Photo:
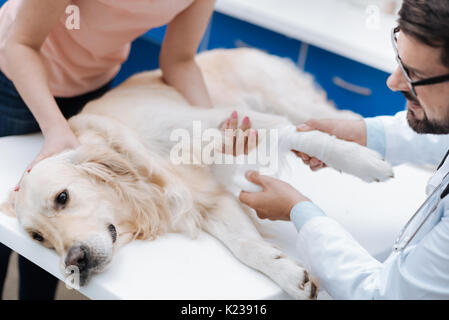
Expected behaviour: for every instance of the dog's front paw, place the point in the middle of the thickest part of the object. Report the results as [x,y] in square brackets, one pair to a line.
[346,156]
[368,165]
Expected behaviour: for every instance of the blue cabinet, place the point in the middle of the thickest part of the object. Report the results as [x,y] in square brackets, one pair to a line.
[352,85]
[144,56]
[156,35]
[144,53]
[349,84]
[228,32]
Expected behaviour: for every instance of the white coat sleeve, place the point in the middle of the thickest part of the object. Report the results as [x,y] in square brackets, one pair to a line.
[347,271]
[393,138]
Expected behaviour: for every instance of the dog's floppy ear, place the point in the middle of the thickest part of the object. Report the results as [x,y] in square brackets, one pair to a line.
[104,164]
[110,165]
[120,139]
[144,195]
[8,206]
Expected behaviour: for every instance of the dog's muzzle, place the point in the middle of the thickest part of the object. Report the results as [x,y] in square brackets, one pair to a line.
[91,255]
[79,257]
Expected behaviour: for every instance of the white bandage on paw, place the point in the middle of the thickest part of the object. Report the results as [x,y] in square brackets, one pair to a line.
[345,156]
[342,155]
[239,181]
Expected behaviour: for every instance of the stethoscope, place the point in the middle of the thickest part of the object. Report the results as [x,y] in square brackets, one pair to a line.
[402,241]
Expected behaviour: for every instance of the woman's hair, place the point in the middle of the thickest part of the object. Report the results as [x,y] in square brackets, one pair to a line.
[428,22]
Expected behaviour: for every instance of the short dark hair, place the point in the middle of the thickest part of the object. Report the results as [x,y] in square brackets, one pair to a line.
[428,22]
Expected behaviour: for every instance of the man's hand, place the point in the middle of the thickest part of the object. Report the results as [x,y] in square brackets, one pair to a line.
[275,201]
[350,130]
[56,141]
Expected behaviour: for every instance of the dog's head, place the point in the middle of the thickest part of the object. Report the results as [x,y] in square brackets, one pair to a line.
[87,202]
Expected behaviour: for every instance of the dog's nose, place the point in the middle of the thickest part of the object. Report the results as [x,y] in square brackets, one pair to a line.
[78,256]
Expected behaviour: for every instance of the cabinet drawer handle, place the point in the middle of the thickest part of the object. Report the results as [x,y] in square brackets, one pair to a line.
[339,82]
[241,44]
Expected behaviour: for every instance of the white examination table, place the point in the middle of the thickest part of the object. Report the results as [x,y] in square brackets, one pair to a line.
[176,267]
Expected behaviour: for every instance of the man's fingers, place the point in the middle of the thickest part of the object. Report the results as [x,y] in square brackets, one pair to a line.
[304,157]
[304,128]
[250,199]
[301,155]
[261,214]
[325,125]
[314,162]
[247,198]
[317,167]
[257,178]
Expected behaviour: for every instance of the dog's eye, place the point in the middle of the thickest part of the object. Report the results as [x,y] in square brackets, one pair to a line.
[62,198]
[37,236]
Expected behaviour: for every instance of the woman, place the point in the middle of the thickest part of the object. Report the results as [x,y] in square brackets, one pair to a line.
[49,71]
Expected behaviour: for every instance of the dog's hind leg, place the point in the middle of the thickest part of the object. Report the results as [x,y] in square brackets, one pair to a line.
[278,87]
[231,225]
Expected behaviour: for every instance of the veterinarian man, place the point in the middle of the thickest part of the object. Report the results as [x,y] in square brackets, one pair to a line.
[418,267]
[49,69]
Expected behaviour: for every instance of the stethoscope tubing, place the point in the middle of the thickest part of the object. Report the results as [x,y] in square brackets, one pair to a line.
[397,247]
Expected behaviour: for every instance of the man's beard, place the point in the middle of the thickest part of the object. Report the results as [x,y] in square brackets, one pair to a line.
[425,125]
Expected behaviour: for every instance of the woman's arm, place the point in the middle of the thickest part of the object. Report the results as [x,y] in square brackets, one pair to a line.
[177,57]
[34,22]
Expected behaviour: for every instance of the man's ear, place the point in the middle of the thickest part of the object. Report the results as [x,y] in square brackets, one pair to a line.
[8,206]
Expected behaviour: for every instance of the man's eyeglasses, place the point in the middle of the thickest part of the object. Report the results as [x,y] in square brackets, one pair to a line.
[412,84]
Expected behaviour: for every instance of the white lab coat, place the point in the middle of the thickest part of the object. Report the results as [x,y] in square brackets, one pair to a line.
[347,271]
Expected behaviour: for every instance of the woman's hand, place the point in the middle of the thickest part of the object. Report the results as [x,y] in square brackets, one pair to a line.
[275,201]
[238,140]
[33,24]
[350,130]
[178,51]
[56,141]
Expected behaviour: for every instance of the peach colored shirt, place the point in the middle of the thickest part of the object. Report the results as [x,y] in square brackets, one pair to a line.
[79,61]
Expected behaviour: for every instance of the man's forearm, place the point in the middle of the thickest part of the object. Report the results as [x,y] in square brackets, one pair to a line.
[375,135]
[393,138]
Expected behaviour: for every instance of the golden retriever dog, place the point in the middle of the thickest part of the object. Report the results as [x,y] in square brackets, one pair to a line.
[121,184]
